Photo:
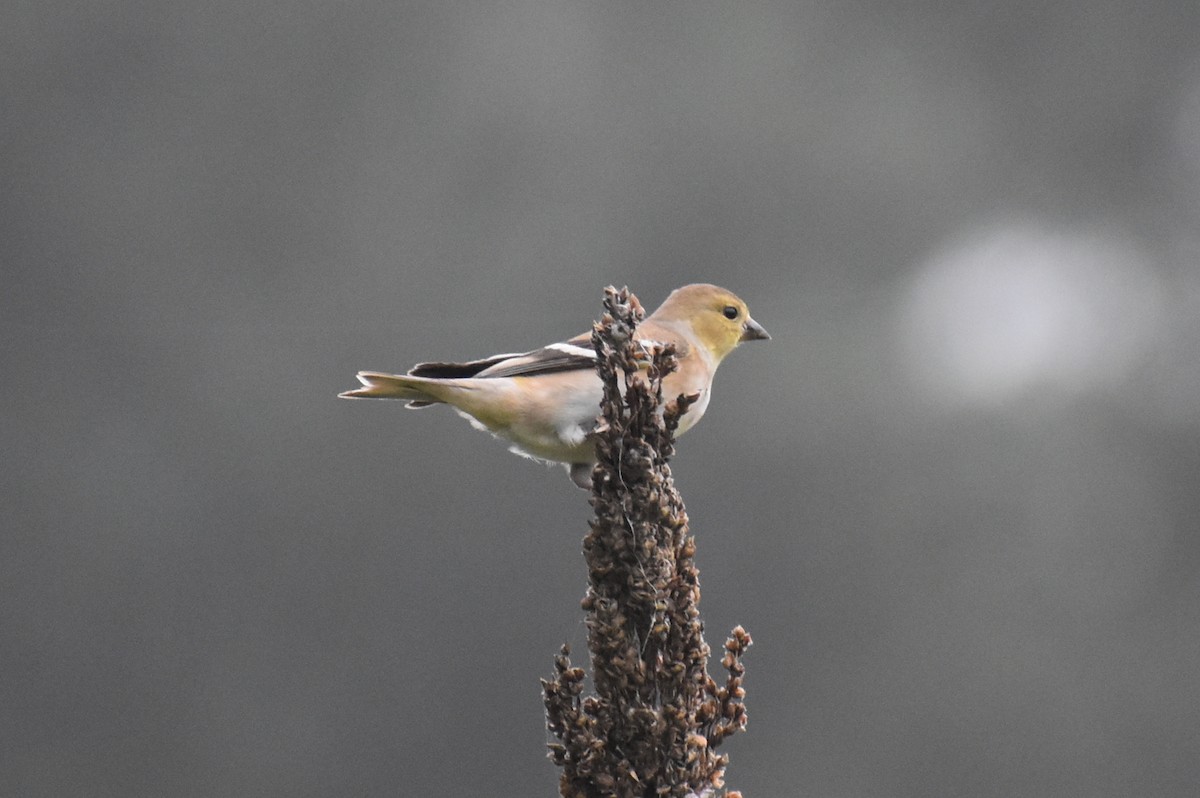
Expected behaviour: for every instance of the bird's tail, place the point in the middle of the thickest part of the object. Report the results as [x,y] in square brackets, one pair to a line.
[419,392]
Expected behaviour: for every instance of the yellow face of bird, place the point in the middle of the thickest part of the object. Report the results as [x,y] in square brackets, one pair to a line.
[717,316]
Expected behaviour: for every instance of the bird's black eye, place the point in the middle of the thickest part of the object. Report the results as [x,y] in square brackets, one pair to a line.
[730,312]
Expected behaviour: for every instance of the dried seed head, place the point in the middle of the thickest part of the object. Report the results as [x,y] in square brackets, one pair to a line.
[656,716]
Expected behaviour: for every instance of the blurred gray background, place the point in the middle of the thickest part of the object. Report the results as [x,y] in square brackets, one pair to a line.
[954,500]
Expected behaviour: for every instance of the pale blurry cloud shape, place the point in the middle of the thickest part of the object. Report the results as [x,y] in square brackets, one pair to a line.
[1011,308]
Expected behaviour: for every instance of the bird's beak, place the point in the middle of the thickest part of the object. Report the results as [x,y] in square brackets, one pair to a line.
[753,331]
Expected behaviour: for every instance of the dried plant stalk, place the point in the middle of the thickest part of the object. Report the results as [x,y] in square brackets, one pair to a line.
[656,718]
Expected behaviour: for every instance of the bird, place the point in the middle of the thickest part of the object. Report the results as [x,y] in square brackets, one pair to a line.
[545,402]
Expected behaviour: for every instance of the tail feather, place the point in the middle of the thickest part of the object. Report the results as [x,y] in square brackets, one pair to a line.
[377,385]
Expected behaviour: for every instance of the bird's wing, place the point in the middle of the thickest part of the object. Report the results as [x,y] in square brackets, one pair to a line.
[438,370]
[571,355]
[574,354]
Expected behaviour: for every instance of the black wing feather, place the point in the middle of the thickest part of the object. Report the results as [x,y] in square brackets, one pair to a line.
[541,361]
[574,355]
[454,371]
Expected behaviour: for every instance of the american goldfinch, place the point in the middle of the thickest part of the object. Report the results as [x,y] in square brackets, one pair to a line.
[545,402]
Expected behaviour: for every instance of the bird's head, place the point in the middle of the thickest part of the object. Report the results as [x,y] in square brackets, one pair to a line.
[718,318]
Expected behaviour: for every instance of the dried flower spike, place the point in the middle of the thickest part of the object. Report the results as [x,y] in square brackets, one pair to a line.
[656,717]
